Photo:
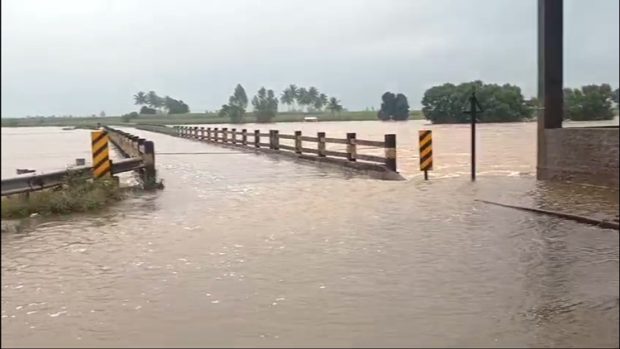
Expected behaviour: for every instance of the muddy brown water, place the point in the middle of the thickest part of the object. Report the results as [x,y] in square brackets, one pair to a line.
[253,250]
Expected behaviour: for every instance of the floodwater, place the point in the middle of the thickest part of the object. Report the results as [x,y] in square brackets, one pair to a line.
[247,250]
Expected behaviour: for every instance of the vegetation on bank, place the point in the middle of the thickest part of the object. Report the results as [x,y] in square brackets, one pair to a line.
[187,119]
[446,103]
[77,195]
[591,102]
[505,103]
[394,107]
[441,104]
[152,103]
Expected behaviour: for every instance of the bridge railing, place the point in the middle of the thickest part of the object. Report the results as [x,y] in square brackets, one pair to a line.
[138,154]
[273,140]
[131,146]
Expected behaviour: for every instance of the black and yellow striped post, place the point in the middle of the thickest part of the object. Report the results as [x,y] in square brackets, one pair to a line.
[101,157]
[426,151]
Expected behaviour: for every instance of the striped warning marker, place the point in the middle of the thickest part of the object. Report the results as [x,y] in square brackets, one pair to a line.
[101,158]
[426,150]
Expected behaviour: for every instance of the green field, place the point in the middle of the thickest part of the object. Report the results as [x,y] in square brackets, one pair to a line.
[186,119]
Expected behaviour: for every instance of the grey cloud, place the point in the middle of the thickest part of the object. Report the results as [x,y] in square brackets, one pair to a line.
[80,57]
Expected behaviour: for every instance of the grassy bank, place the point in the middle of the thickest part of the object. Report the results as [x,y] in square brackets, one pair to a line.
[186,119]
[78,195]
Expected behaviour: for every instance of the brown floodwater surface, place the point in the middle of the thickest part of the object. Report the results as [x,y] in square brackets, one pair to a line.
[247,250]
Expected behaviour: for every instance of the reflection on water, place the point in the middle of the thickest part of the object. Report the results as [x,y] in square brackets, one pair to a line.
[251,250]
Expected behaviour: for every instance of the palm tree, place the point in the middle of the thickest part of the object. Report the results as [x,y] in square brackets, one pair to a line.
[321,101]
[313,96]
[287,98]
[289,95]
[302,97]
[334,105]
[153,100]
[140,98]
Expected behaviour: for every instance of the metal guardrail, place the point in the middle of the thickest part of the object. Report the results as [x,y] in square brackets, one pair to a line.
[139,156]
[135,147]
[28,183]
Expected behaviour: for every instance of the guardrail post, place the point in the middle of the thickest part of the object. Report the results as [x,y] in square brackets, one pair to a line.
[321,143]
[244,137]
[257,138]
[233,135]
[196,132]
[202,134]
[271,139]
[215,134]
[149,164]
[208,134]
[140,148]
[390,152]
[298,142]
[351,147]
[224,135]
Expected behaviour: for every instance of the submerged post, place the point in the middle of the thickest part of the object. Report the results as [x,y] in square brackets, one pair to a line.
[276,140]
[224,135]
[321,144]
[233,135]
[257,138]
[148,157]
[215,134]
[270,139]
[351,147]
[244,137]
[390,151]
[298,142]
[209,134]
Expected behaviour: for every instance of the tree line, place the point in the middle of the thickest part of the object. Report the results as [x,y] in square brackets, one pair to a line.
[152,103]
[265,103]
[505,103]
[440,104]
[309,99]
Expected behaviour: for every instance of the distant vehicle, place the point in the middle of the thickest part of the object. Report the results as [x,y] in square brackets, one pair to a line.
[311,118]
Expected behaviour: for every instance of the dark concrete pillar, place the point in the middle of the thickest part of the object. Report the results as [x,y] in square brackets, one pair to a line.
[550,73]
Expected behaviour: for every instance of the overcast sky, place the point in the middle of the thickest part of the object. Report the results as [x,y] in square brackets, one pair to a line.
[80,57]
